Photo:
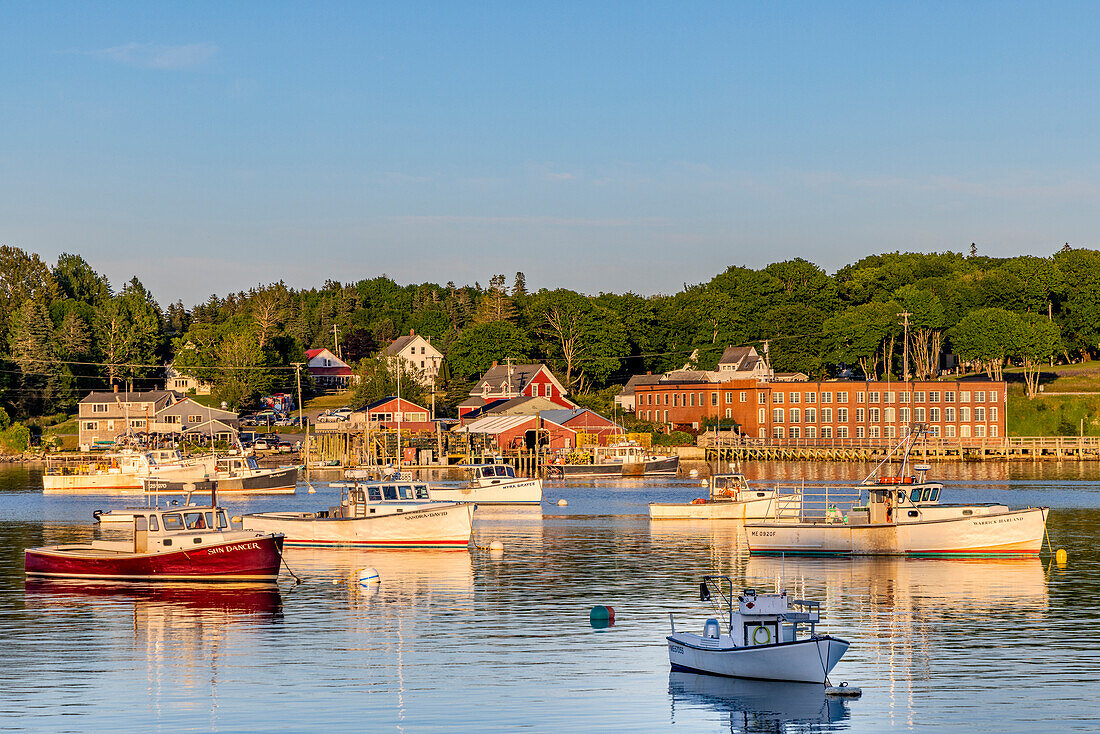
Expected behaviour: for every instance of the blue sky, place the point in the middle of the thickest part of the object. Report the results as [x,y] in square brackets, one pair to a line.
[208,147]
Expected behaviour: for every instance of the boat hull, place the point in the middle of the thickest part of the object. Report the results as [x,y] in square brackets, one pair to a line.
[276,481]
[1011,533]
[442,526]
[803,661]
[652,467]
[249,557]
[513,492]
[759,508]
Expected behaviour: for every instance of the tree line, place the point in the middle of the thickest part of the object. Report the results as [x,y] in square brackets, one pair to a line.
[64,330]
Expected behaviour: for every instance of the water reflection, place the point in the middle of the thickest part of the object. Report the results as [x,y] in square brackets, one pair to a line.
[758,706]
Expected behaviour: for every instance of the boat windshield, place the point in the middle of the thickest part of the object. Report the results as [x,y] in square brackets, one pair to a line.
[504,470]
[195,521]
[927,494]
[374,494]
[153,524]
[389,492]
[173,522]
[223,521]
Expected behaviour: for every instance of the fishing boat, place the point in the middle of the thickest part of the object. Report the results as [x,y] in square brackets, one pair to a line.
[768,637]
[492,484]
[174,544]
[394,514]
[627,459]
[731,498]
[235,475]
[899,514]
[125,471]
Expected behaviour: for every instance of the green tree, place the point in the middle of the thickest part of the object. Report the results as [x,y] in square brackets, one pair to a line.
[77,280]
[31,342]
[987,336]
[482,344]
[242,377]
[926,325]
[863,335]
[1037,340]
[378,378]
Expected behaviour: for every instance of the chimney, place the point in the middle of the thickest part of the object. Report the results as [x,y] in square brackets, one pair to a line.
[494,365]
[649,372]
[412,332]
[115,387]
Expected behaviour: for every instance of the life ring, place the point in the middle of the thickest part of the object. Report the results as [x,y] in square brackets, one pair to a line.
[767,636]
[698,501]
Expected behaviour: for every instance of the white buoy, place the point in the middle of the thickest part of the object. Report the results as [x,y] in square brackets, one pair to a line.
[562,503]
[704,483]
[693,473]
[368,577]
[496,546]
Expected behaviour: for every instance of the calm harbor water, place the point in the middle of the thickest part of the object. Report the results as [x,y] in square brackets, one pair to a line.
[456,641]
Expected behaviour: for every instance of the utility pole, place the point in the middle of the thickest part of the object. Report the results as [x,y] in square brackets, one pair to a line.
[335,342]
[905,345]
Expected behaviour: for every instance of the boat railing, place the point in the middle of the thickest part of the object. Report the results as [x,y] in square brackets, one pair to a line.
[815,503]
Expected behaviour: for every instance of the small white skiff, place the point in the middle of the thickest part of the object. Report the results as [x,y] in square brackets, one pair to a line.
[375,514]
[731,498]
[769,637]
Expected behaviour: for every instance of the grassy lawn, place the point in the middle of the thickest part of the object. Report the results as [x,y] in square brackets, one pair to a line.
[330,401]
[1050,414]
[68,428]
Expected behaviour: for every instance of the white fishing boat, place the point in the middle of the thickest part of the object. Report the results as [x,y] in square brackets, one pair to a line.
[768,637]
[492,484]
[731,498]
[124,471]
[898,515]
[626,459]
[235,475]
[375,514]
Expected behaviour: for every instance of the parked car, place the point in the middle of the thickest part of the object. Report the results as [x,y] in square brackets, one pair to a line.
[330,418]
[266,443]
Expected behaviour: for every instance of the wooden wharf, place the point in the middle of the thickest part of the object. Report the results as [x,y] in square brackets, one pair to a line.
[731,447]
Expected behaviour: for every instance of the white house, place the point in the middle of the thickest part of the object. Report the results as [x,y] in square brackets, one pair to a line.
[419,353]
[328,370]
[173,380]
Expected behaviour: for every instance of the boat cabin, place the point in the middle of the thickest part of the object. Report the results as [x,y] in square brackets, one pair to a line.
[761,618]
[364,499]
[734,488]
[157,531]
[488,474]
[234,465]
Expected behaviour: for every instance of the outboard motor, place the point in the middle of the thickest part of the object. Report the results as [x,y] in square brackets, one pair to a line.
[711,629]
[704,591]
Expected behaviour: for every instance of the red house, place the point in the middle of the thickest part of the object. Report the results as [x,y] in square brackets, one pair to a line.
[522,431]
[328,370]
[387,412]
[507,381]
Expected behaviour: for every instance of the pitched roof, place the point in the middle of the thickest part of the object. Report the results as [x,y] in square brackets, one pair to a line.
[741,359]
[635,380]
[400,343]
[311,353]
[388,399]
[521,377]
[564,416]
[496,424]
[145,396]
[688,376]
[524,405]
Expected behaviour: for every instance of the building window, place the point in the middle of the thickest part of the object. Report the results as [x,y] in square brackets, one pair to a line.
[811,397]
[762,397]
[979,396]
[714,399]
[993,412]
[826,397]
[676,400]
[194,419]
[777,432]
[873,397]
[794,431]
[795,397]
[979,414]
[842,397]
[842,431]
[903,397]
[993,430]
[777,398]
[888,397]
[110,425]
[888,414]
[796,415]
[904,414]
[91,426]
[861,397]
[949,431]
[762,415]
[934,396]
[964,396]
[918,396]
[811,431]
[777,415]
[964,414]
[979,431]
[99,407]
[919,414]
[891,432]
[811,415]
[861,432]
[841,415]
[934,415]
[861,415]
[137,423]
[876,432]
[693,400]
[934,431]
[729,398]
[964,431]
[876,415]
[744,396]
[826,432]
[666,416]
[949,397]
[826,415]
[729,412]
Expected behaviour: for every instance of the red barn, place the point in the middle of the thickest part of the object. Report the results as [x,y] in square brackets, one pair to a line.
[389,411]
[507,381]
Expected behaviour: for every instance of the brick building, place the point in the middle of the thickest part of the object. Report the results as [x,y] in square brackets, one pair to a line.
[952,409]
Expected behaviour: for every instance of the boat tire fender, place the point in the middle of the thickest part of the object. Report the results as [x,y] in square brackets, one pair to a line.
[767,636]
